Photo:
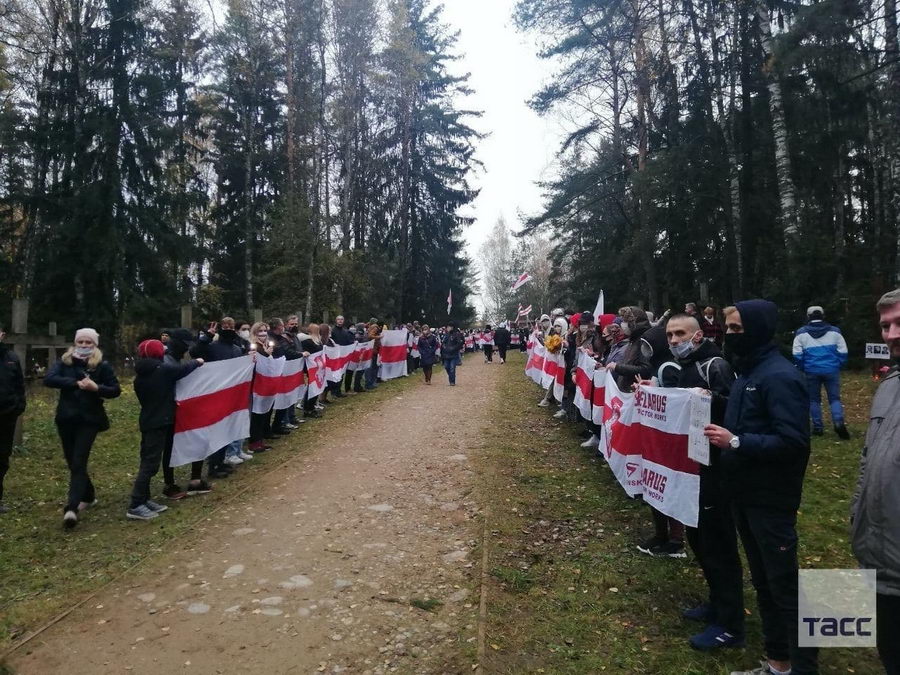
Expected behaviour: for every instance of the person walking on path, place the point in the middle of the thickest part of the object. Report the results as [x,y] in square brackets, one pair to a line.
[502,338]
[154,386]
[450,351]
[428,348]
[875,509]
[84,380]
[487,342]
[820,351]
[765,450]
[12,404]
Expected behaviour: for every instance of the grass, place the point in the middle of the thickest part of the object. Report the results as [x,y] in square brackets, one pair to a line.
[45,570]
[567,590]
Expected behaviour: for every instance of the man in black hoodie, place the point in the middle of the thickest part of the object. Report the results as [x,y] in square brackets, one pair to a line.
[502,338]
[765,449]
[12,404]
[154,385]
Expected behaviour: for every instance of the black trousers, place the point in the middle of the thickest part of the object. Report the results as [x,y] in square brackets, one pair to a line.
[501,349]
[309,404]
[153,446]
[77,440]
[427,371]
[7,433]
[488,352]
[887,611]
[348,379]
[769,537]
[714,543]
[259,426]
[168,471]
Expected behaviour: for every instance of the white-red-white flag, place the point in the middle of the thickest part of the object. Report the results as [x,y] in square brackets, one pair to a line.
[599,308]
[622,437]
[266,382]
[523,279]
[524,311]
[392,354]
[534,367]
[362,356]
[584,384]
[291,385]
[315,374]
[449,300]
[212,409]
[337,359]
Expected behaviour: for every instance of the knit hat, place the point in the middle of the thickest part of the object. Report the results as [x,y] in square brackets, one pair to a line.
[585,318]
[606,319]
[88,333]
[815,310]
[151,349]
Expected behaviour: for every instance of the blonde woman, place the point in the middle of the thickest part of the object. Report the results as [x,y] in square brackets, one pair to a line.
[312,344]
[260,423]
[84,380]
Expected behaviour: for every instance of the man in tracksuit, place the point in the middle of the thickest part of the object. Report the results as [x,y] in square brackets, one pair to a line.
[765,449]
[875,512]
[820,351]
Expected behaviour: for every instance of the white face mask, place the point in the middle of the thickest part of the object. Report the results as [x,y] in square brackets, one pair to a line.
[262,336]
[245,334]
[684,349]
[84,352]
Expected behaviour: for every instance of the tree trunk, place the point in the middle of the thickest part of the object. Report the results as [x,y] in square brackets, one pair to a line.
[892,142]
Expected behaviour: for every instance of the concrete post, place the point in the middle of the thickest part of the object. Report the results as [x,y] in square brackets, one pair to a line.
[257,316]
[187,316]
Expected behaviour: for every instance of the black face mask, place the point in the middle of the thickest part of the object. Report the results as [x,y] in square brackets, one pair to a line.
[227,335]
[294,330]
[738,344]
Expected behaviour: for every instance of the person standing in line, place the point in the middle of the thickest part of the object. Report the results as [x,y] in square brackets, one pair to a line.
[359,373]
[712,329]
[502,338]
[487,341]
[450,351]
[765,450]
[154,386]
[374,335]
[820,351]
[428,348]
[12,404]
[260,423]
[875,508]
[84,380]
[312,344]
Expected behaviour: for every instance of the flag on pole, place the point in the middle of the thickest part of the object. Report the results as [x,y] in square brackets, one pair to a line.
[599,309]
[449,300]
[523,279]
[524,311]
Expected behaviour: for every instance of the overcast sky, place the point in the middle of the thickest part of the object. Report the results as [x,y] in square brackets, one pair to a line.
[505,73]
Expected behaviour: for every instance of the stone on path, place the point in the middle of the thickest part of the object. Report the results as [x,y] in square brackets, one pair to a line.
[381,508]
[198,608]
[297,581]
[233,571]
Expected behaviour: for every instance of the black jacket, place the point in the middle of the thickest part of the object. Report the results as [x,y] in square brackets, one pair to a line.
[308,345]
[154,385]
[12,383]
[502,337]
[648,349]
[769,410]
[342,336]
[453,344]
[286,345]
[78,405]
[230,345]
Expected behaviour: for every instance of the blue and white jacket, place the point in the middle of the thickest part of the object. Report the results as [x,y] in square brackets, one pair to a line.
[819,348]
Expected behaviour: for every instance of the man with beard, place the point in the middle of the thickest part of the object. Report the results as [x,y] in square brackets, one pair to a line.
[765,449]
[875,512]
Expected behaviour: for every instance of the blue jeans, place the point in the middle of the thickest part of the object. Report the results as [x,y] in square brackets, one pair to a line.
[233,449]
[450,367]
[372,375]
[832,382]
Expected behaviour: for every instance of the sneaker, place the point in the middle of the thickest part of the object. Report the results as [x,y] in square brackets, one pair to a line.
[156,508]
[558,415]
[842,432]
[762,670]
[291,426]
[544,403]
[702,613]
[201,487]
[716,637]
[592,442]
[142,512]
[245,456]
[670,549]
[312,413]
[84,506]
[70,519]
[233,460]
[174,492]
[648,545]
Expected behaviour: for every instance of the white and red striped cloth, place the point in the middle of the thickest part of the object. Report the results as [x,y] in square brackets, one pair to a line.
[315,374]
[212,409]
[291,384]
[266,382]
[584,384]
[413,342]
[392,354]
[362,356]
[337,359]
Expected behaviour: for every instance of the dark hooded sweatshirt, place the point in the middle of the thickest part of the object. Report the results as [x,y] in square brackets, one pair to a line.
[154,385]
[768,410]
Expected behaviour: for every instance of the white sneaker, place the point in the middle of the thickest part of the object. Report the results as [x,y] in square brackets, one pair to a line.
[70,519]
[233,460]
[544,403]
[559,414]
[592,442]
[244,456]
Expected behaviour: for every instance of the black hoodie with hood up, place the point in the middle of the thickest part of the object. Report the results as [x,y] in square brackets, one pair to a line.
[154,385]
[769,410]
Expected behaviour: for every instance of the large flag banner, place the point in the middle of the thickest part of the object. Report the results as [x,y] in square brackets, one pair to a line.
[266,382]
[291,385]
[550,365]
[559,380]
[524,311]
[515,340]
[362,356]
[622,437]
[470,342]
[671,480]
[392,354]
[523,279]
[599,308]
[413,343]
[584,384]
[534,367]
[337,359]
[598,398]
[212,409]
[315,374]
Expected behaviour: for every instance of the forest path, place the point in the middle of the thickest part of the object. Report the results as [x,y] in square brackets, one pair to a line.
[356,557]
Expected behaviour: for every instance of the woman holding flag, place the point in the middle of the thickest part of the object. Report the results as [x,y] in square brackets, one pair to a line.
[261,347]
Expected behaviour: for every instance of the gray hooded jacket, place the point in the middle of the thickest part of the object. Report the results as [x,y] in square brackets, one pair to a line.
[875,512]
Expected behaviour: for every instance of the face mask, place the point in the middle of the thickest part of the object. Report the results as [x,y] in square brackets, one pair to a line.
[294,329]
[683,349]
[226,334]
[84,352]
[245,334]
[737,344]
[584,329]
[262,336]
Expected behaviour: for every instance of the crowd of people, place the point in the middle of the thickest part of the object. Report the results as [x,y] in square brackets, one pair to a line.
[759,436]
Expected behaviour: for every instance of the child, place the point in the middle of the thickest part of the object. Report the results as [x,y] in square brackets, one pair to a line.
[154,385]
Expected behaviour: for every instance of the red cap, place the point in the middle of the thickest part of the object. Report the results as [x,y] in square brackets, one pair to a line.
[606,319]
[151,349]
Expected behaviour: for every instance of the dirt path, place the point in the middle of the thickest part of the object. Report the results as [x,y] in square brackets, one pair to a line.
[321,569]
